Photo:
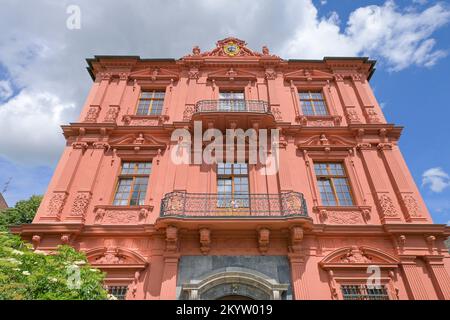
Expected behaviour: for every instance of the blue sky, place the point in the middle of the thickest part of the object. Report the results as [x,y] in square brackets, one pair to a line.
[43,81]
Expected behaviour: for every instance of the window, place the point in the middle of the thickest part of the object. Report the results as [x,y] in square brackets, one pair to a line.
[364,292]
[120,292]
[231,101]
[232,185]
[151,103]
[333,184]
[313,103]
[132,185]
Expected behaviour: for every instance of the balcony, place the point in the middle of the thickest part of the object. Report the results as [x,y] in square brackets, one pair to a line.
[233,113]
[204,205]
[232,105]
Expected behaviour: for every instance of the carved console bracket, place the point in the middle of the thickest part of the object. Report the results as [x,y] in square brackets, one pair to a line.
[205,240]
[263,240]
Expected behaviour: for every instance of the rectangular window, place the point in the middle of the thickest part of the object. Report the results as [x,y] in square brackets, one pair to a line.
[232,185]
[313,103]
[120,292]
[364,292]
[333,184]
[151,103]
[231,101]
[132,184]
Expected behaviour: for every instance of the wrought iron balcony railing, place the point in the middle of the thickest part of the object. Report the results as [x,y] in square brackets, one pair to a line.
[285,204]
[232,105]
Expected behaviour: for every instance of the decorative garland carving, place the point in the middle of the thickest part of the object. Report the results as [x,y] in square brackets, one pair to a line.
[92,114]
[112,113]
[411,205]
[356,255]
[188,112]
[276,113]
[81,203]
[56,203]
[387,206]
[111,256]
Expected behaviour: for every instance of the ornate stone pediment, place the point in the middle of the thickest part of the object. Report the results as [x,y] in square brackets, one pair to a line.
[104,256]
[137,140]
[323,140]
[356,256]
[308,75]
[231,47]
[154,74]
[232,74]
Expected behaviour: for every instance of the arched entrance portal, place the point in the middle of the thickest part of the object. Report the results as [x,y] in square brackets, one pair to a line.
[237,284]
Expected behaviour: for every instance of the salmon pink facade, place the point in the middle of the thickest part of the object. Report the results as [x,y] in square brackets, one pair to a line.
[342,208]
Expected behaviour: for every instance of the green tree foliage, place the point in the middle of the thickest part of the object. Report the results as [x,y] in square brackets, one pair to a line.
[23,212]
[27,274]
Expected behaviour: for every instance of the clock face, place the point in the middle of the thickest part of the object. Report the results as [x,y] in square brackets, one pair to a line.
[231,49]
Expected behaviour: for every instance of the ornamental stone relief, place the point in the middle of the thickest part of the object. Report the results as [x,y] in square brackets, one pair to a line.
[56,203]
[112,114]
[387,206]
[276,113]
[372,116]
[344,217]
[411,205]
[355,255]
[188,112]
[92,114]
[113,216]
[352,116]
[111,256]
[81,203]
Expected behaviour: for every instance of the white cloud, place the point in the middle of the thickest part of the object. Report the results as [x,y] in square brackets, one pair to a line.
[5,90]
[30,125]
[436,178]
[45,60]
[400,38]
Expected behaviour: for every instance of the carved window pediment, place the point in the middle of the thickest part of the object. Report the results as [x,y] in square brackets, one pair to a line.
[308,75]
[323,140]
[154,74]
[232,74]
[140,140]
[118,257]
[358,256]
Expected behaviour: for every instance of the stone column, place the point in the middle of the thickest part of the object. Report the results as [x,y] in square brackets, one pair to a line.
[377,179]
[349,106]
[90,169]
[274,103]
[95,106]
[440,276]
[114,106]
[60,193]
[412,211]
[369,109]
[297,264]
[413,280]
[284,173]
[169,278]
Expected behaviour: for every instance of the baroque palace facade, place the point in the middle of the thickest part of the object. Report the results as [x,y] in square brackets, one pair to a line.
[342,205]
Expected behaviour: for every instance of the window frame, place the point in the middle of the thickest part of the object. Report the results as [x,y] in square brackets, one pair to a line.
[310,92]
[151,100]
[330,178]
[364,288]
[122,286]
[232,176]
[133,176]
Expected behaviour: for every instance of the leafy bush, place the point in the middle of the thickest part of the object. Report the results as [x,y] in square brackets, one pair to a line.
[30,275]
